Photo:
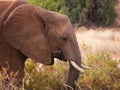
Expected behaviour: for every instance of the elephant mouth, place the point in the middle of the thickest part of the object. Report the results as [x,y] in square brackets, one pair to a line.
[59,54]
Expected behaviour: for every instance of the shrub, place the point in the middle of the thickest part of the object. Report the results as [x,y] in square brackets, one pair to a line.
[46,78]
[104,74]
[102,12]
[83,12]
[53,5]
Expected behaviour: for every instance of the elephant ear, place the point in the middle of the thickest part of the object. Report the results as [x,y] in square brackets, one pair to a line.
[25,31]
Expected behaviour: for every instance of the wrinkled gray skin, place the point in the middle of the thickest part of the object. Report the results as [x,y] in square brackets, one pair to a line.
[29,31]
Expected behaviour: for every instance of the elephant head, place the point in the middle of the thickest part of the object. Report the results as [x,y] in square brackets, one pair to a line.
[44,35]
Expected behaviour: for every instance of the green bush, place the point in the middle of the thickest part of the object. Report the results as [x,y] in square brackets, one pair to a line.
[77,10]
[83,12]
[102,12]
[53,5]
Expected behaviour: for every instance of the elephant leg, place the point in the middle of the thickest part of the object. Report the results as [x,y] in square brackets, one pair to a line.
[18,70]
[15,63]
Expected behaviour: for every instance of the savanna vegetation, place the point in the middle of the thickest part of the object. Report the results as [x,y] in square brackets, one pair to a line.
[100,50]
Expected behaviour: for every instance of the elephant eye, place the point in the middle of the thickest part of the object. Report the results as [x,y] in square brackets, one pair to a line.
[64,38]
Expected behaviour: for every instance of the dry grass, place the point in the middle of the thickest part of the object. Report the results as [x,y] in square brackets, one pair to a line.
[99,40]
[9,81]
[100,48]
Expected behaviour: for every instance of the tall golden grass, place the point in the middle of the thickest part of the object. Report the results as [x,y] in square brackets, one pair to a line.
[99,40]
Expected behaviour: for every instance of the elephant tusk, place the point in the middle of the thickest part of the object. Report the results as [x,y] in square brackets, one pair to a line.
[85,66]
[76,66]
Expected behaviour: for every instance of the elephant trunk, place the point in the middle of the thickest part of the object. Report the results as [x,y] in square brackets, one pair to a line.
[74,72]
[73,75]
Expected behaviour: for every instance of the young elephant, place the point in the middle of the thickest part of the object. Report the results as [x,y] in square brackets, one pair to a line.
[29,31]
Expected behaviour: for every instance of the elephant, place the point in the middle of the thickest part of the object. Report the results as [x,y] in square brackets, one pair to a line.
[28,31]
